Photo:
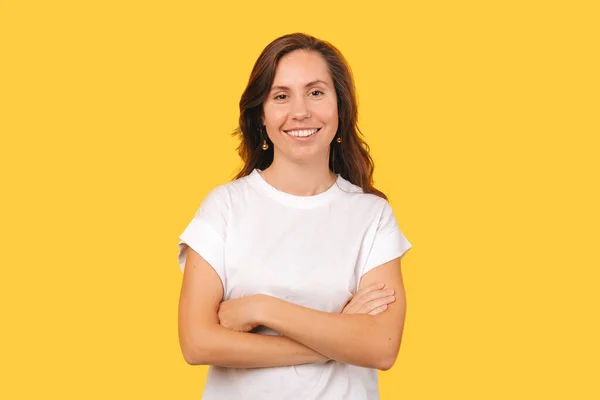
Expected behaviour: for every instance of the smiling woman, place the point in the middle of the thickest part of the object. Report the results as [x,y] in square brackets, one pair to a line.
[292,287]
[301,110]
[301,82]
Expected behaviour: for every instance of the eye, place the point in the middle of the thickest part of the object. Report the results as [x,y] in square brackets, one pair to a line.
[279,97]
[317,91]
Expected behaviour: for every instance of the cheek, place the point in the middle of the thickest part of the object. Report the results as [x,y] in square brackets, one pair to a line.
[274,115]
[331,119]
[328,112]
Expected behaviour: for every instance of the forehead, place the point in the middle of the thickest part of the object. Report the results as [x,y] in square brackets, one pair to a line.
[299,67]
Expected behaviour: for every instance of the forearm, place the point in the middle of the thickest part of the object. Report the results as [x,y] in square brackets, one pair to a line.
[226,348]
[357,339]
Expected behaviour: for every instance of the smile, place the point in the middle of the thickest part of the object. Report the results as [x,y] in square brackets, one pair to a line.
[303,133]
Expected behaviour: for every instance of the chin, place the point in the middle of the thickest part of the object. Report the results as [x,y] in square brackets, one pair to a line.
[308,154]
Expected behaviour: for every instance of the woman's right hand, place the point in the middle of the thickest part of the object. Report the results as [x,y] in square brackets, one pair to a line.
[370,300]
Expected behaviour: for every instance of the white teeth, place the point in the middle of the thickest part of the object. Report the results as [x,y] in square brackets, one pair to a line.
[303,133]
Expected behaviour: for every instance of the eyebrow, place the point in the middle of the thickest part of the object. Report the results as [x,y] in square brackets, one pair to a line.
[307,85]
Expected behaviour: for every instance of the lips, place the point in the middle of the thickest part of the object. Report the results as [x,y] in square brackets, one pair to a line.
[302,133]
[299,129]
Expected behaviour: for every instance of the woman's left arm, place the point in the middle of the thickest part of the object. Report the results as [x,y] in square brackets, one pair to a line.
[371,341]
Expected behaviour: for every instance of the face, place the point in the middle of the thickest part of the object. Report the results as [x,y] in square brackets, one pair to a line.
[302,99]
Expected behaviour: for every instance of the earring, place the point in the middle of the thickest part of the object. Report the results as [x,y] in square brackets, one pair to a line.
[265,145]
[339,139]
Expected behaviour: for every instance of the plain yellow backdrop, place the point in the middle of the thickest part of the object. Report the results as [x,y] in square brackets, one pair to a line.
[483,119]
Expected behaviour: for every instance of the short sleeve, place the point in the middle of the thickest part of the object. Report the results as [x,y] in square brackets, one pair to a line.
[389,242]
[206,232]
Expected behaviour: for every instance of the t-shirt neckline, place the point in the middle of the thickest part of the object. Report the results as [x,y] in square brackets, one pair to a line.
[294,200]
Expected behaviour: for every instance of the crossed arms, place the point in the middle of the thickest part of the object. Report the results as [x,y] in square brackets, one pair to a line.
[212,332]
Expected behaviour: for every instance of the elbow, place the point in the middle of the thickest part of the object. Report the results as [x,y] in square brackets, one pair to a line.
[387,356]
[381,360]
[191,354]
[199,344]
[385,363]
[194,349]
[189,357]
[194,360]
[195,355]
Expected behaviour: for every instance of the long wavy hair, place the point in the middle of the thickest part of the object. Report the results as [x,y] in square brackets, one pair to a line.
[350,158]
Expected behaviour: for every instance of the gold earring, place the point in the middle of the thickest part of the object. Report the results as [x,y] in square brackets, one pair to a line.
[339,140]
[265,145]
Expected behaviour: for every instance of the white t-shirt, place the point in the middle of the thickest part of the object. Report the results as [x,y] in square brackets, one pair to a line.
[308,250]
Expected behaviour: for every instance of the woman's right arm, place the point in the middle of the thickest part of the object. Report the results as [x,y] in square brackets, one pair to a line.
[204,342]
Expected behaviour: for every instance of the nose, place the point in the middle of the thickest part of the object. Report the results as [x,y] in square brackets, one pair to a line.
[299,109]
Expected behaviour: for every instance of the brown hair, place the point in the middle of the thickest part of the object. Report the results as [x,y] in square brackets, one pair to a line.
[350,158]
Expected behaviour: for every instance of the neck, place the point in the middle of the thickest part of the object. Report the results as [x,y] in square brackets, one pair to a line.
[299,179]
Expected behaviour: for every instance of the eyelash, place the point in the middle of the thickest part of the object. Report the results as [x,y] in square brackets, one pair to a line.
[277,97]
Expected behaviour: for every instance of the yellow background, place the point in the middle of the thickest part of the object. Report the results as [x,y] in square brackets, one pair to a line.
[483,118]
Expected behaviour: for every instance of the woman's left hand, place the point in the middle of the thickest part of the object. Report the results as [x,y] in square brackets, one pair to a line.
[240,314]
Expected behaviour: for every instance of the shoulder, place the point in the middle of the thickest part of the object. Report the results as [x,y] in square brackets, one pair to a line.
[348,187]
[356,194]
[230,188]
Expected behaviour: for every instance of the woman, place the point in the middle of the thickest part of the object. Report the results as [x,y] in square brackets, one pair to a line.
[290,270]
